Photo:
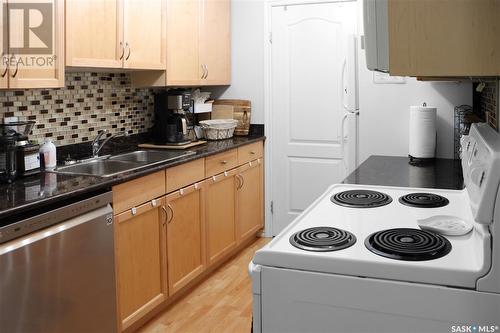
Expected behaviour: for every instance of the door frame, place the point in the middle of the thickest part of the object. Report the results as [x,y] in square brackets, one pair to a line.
[268,128]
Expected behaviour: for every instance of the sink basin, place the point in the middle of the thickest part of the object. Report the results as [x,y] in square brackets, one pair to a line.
[100,168]
[116,164]
[151,156]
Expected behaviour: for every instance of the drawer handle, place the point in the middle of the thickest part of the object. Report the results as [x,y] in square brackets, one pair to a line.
[223,162]
[153,203]
[252,152]
[133,210]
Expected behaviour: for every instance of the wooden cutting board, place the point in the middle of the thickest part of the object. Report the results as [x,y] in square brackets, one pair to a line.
[186,146]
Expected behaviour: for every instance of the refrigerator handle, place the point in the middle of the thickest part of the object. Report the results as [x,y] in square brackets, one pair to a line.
[343,85]
[350,76]
[342,141]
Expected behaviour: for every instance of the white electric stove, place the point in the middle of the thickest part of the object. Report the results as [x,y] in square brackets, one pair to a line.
[389,259]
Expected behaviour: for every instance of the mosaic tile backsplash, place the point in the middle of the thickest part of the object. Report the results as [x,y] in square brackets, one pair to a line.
[88,103]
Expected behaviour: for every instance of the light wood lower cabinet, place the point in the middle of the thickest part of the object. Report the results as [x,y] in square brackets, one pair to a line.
[249,200]
[220,208]
[185,236]
[163,244]
[140,260]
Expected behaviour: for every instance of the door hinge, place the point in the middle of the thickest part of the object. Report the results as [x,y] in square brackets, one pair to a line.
[270,37]
[272,207]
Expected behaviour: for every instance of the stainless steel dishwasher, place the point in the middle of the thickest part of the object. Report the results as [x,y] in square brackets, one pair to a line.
[57,271]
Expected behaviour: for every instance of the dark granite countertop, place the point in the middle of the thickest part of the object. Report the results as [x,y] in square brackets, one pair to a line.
[48,188]
[396,171]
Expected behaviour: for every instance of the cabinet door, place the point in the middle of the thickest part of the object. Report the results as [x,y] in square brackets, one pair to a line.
[4,78]
[444,38]
[250,208]
[37,58]
[144,34]
[141,260]
[215,41]
[220,208]
[182,38]
[185,236]
[94,33]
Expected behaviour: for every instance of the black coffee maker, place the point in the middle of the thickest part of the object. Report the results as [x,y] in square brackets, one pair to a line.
[170,124]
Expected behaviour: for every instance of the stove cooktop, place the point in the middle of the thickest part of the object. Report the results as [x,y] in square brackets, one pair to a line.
[423,200]
[361,199]
[322,239]
[456,260]
[408,244]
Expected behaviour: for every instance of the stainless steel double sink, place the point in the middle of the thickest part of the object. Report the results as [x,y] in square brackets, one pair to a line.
[112,165]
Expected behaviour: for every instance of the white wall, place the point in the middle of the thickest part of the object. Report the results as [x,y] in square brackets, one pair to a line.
[384,109]
[247,56]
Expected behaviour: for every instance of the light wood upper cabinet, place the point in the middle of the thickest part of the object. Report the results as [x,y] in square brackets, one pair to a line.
[249,211]
[37,59]
[215,42]
[4,52]
[141,260]
[220,216]
[198,47]
[183,25]
[116,34]
[144,34]
[185,236]
[94,33]
[444,38]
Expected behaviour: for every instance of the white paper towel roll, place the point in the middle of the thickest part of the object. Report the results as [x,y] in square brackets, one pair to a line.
[422,131]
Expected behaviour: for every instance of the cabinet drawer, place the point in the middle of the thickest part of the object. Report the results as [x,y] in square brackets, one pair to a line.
[185,174]
[221,162]
[250,152]
[138,191]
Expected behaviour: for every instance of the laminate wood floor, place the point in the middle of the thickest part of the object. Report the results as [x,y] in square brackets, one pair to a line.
[221,303]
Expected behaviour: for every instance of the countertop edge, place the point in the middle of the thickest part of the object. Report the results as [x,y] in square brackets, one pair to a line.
[112,181]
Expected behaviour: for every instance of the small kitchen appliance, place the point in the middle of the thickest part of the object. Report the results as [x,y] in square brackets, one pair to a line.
[8,163]
[171,124]
[27,152]
[389,259]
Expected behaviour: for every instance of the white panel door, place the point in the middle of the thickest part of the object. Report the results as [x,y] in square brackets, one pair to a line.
[309,50]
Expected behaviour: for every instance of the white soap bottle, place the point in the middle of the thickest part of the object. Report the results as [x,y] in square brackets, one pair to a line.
[48,155]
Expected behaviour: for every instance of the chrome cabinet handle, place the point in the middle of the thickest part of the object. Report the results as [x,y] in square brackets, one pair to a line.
[241,180]
[129,51]
[223,162]
[240,183]
[123,50]
[17,67]
[171,213]
[6,66]
[166,214]
[203,69]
